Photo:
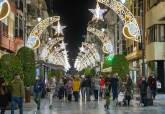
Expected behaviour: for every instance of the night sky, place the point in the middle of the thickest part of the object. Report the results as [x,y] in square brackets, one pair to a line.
[75,15]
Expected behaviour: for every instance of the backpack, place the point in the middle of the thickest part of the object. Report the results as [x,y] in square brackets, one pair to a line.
[38,87]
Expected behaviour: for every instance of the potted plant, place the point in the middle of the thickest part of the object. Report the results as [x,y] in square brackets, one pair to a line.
[9,66]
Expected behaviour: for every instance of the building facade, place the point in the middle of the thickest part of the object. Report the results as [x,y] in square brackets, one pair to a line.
[155,39]
[10,32]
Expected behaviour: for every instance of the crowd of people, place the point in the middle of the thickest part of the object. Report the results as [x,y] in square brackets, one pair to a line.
[69,87]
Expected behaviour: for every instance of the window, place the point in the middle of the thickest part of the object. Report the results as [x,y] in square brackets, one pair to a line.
[156,33]
[19,26]
[152,3]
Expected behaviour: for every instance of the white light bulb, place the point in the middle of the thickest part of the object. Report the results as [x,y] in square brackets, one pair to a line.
[39,19]
[123,1]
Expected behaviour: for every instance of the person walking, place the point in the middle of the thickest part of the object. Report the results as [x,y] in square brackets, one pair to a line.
[143,91]
[4,96]
[96,88]
[18,93]
[61,90]
[82,87]
[102,86]
[70,89]
[51,91]
[129,89]
[76,88]
[107,95]
[114,83]
[37,91]
[152,85]
[87,86]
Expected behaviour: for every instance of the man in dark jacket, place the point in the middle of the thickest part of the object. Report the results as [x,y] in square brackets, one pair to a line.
[152,85]
[114,83]
[4,96]
[37,91]
[87,86]
[143,91]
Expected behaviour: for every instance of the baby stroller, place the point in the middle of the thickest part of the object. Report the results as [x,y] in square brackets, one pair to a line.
[120,99]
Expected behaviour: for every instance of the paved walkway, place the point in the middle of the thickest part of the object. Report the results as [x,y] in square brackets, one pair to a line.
[95,107]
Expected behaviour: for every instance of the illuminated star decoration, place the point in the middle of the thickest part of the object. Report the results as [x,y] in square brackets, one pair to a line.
[59,29]
[62,45]
[98,13]
[82,49]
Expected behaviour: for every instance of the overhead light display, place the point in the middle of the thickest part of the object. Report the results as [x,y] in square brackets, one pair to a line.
[106,41]
[4,9]
[59,29]
[88,56]
[34,37]
[131,28]
[98,13]
[108,48]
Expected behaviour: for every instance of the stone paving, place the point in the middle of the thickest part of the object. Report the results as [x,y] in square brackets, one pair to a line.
[94,107]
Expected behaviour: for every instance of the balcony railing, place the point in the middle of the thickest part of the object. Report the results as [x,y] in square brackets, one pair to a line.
[7,43]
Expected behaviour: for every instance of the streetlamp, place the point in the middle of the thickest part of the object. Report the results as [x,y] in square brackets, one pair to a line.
[143,38]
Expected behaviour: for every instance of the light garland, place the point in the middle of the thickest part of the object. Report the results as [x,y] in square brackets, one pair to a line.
[34,37]
[131,28]
[49,47]
[87,56]
[4,9]
[106,41]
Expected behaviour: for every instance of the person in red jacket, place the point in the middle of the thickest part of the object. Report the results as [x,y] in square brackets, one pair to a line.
[102,86]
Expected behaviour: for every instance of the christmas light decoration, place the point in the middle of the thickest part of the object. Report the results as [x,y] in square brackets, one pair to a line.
[88,56]
[131,28]
[4,9]
[59,29]
[34,37]
[98,13]
[106,41]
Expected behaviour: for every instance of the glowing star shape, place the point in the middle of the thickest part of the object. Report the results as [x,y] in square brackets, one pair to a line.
[98,13]
[62,45]
[82,49]
[59,29]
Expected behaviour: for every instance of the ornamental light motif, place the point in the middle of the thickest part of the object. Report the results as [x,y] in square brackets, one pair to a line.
[98,13]
[106,41]
[59,29]
[4,9]
[34,37]
[87,56]
[50,46]
[131,28]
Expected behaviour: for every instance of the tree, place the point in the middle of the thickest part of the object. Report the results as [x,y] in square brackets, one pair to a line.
[27,58]
[56,73]
[88,71]
[120,65]
[108,61]
[10,65]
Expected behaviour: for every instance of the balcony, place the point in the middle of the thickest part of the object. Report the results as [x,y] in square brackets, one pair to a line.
[136,54]
[155,14]
[7,43]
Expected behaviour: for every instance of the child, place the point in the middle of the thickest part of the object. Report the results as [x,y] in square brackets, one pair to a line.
[107,96]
